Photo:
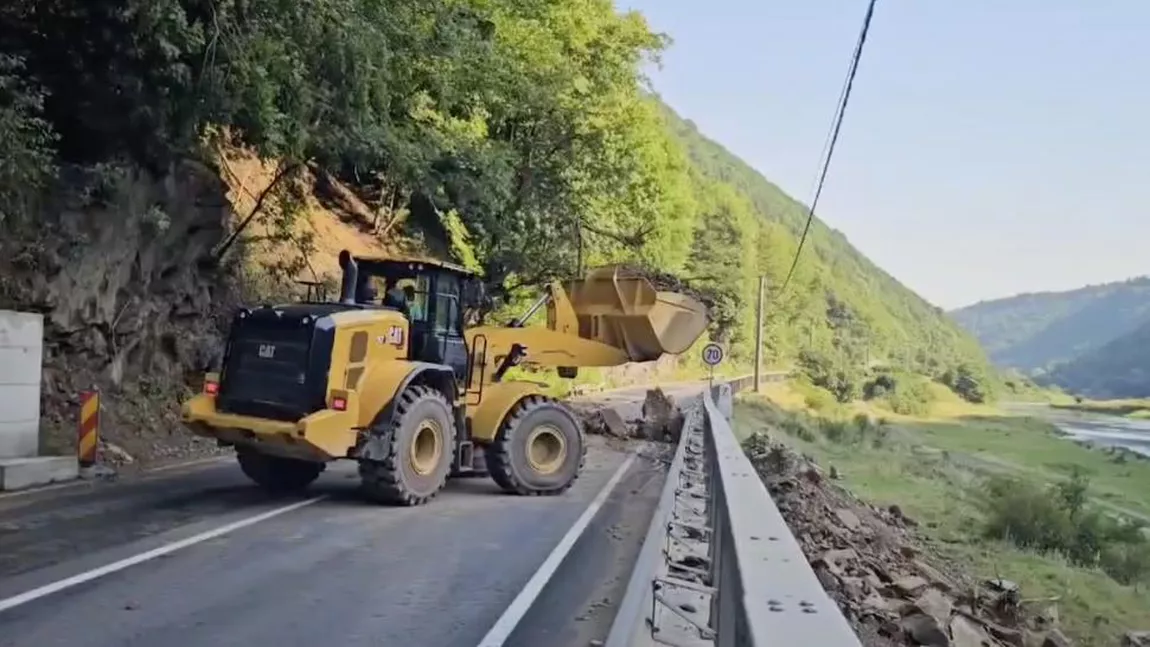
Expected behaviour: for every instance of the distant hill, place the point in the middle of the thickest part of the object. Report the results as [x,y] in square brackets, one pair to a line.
[1072,337]
[1118,369]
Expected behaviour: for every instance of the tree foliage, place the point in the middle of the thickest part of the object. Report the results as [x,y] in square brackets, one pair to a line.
[521,129]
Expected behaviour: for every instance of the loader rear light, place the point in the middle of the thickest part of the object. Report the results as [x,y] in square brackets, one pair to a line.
[212,388]
[339,404]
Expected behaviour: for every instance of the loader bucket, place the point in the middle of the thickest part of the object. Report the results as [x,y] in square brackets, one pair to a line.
[628,313]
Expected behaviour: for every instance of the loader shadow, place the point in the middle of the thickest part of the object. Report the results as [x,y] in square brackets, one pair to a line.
[341,486]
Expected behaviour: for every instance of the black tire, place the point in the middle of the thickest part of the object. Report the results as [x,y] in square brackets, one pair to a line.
[397,479]
[276,474]
[508,456]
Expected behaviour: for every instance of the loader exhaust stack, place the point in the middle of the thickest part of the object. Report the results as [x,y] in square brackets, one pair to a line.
[350,269]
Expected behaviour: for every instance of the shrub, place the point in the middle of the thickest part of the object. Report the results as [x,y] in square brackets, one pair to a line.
[819,399]
[881,385]
[911,396]
[836,431]
[842,383]
[799,427]
[971,384]
[1056,520]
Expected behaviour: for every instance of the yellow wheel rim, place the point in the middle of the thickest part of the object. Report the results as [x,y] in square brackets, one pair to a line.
[425,447]
[546,449]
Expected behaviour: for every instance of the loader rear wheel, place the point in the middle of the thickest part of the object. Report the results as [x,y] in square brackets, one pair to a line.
[276,474]
[539,449]
[420,448]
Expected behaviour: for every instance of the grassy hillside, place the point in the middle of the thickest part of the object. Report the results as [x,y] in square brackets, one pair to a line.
[1037,331]
[515,138]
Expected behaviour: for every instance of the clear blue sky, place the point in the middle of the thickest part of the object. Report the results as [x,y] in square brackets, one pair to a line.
[991,146]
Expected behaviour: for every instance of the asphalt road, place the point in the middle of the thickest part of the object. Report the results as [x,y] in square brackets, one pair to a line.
[200,557]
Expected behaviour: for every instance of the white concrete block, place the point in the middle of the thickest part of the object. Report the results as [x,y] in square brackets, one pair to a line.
[15,442]
[21,357]
[21,328]
[19,364]
[20,473]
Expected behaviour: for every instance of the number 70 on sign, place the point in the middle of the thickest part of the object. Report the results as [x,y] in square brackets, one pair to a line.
[712,354]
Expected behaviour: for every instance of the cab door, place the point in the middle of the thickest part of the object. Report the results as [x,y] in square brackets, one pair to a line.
[448,326]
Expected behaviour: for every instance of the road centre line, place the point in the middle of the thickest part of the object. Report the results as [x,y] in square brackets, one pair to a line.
[166,549]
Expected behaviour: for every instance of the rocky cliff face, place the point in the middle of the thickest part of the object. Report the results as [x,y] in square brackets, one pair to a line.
[120,265]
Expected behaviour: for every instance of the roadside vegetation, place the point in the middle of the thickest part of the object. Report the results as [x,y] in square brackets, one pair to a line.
[1006,495]
[516,138]
[185,149]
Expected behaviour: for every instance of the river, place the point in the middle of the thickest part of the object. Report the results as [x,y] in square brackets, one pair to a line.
[1102,430]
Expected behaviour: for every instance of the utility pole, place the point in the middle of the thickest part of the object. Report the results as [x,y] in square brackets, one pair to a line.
[759,335]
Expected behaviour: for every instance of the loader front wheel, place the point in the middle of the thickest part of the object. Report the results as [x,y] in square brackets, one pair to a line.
[278,475]
[538,450]
[420,448]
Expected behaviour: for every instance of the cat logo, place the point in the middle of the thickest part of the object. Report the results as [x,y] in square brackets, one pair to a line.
[267,351]
[394,336]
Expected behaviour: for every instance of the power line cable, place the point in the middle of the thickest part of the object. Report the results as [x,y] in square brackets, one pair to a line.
[829,147]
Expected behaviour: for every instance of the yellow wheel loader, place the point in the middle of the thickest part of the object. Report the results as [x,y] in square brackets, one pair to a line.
[390,376]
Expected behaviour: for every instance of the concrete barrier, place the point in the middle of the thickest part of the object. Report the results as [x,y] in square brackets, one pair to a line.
[21,360]
[21,354]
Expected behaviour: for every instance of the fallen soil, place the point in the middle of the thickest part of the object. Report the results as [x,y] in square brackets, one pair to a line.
[667,282]
[660,418]
[889,583]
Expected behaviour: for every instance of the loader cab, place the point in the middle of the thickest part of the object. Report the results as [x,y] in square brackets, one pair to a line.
[434,296]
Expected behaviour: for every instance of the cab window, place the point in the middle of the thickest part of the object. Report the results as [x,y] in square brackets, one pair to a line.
[447,315]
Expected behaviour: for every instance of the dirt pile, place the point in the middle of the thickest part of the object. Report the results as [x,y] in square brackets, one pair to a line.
[882,575]
[667,282]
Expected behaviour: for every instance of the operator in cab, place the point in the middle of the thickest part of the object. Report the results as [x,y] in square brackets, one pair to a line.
[395,298]
[415,312]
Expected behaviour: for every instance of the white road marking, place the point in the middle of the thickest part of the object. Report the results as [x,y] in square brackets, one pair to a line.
[515,611]
[88,576]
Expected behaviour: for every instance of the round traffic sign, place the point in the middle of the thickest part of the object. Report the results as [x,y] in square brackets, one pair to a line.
[712,354]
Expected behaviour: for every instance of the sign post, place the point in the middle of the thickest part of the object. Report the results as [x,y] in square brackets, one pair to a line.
[712,357]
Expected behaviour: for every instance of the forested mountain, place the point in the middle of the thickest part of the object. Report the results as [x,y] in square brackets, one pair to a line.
[1090,340]
[516,136]
[1119,368]
[1039,330]
[841,312]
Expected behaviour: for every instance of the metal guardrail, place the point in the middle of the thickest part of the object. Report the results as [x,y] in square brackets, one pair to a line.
[719,566]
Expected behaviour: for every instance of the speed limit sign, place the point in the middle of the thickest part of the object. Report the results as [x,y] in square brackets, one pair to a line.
[712,354]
